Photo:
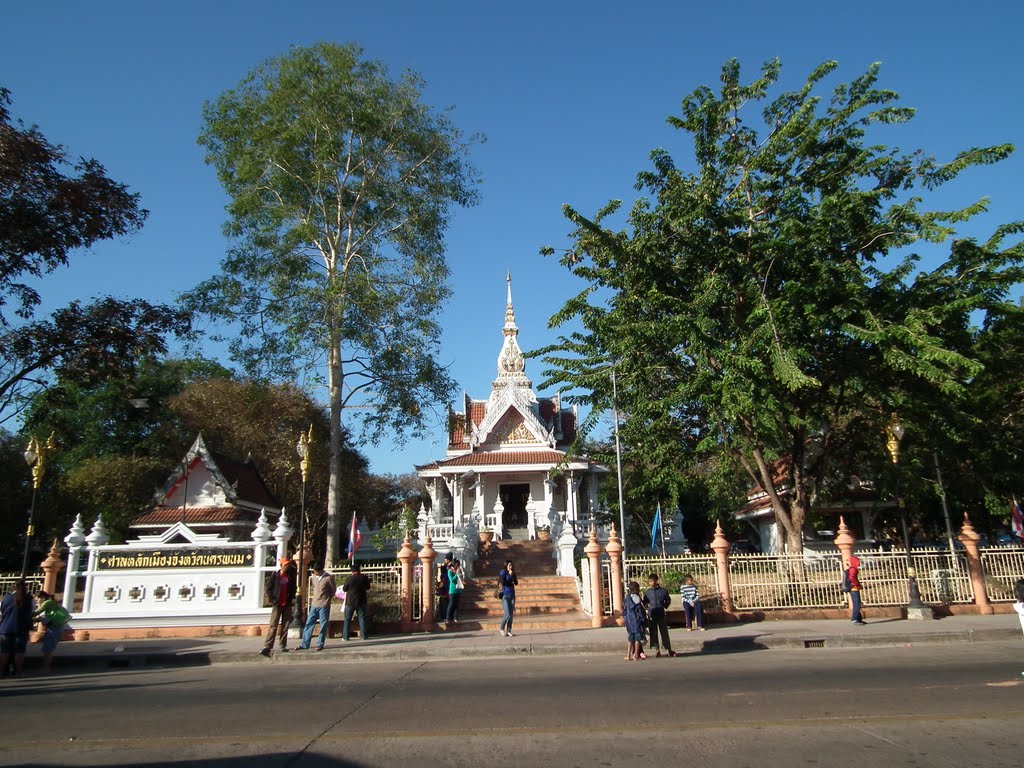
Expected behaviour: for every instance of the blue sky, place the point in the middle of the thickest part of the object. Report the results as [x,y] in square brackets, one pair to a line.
[572,96]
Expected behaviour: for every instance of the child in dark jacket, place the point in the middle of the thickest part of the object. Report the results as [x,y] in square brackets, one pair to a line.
[636,620]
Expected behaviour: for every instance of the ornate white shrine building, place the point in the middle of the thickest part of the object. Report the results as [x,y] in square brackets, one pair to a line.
[507,468]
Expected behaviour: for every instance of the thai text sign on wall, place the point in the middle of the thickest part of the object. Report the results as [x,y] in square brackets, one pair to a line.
[183,558]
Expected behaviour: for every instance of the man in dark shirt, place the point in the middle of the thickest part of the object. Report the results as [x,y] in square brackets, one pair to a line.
[281,588]
[657,600]
[356,586]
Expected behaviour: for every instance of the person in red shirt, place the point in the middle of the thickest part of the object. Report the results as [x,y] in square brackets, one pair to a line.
[852,586]
[281,589]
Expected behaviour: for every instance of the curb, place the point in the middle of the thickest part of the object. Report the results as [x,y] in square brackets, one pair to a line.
[386,652]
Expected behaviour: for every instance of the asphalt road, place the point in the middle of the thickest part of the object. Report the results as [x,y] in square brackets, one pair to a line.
[915,706]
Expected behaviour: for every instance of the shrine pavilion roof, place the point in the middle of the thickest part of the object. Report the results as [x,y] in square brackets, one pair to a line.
[544,457]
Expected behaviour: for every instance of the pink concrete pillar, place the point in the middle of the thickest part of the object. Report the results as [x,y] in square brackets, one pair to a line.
[405,556]
[427,557]
[970,538]
[593,552]
[720,546]
[845,541]
[614,550]
[51,566]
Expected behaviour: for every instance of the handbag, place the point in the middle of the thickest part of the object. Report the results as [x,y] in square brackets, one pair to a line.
[499,593]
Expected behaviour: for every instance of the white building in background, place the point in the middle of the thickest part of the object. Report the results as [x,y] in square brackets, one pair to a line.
[507,468]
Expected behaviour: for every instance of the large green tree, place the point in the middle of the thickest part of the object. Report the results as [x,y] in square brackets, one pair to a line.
[341,182]
[51,207]
[765,310]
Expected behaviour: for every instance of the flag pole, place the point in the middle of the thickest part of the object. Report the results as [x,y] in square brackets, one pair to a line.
[661,525]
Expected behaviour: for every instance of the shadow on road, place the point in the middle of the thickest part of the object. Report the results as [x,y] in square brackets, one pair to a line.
[733,644]
[49,685]
[279,760]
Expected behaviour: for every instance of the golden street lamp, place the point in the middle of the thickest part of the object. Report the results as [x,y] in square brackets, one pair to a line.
[35,456]
[302,449]
[894,432]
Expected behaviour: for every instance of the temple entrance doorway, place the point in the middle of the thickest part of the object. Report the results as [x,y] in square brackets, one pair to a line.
[514,498]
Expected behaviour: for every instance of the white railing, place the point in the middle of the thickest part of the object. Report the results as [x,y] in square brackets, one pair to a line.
[1002,567]
[385,593]
[671,570]
[942,578]
[764,582]
[33,582]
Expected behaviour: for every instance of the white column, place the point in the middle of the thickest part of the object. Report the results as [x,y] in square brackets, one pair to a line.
[76,542]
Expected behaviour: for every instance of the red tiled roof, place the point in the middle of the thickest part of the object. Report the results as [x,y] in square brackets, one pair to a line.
[477,411]
[457,430]
[194,515]
[504,457]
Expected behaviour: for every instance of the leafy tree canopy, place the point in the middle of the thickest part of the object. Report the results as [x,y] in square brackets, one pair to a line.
[341,183]
[49,208]
[764,311]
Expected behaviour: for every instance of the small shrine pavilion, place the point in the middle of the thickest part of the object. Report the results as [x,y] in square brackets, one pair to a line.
[507,468]
[210,493]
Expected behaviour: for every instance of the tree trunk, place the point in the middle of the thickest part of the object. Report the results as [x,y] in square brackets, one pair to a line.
[334,379]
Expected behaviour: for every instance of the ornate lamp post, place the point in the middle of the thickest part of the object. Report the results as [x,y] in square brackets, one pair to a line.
[618,469]
[302,449]
[894,432]
[35,457]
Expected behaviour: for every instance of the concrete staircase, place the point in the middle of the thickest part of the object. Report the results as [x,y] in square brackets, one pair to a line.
[544,600]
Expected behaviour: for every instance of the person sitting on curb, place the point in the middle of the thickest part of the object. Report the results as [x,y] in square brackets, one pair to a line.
[321,592]
[54,617]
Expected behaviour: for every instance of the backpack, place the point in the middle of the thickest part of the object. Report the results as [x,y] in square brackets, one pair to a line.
[846,586]
[57,617]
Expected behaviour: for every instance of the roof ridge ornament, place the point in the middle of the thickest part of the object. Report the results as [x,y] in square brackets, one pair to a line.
[511,362]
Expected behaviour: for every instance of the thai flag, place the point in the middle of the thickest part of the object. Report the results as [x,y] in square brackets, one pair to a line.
[1017,520]
[655,527]
[355,538]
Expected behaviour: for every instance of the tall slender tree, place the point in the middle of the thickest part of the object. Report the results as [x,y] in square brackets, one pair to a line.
[341,183]
[763,309]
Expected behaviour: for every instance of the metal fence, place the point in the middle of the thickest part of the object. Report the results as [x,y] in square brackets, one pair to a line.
[33,582]
[385,596]
[813,579]
[942,577]
[762,582]
[1002,567]
[671,570]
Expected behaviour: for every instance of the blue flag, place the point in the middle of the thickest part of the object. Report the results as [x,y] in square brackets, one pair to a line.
[656,527]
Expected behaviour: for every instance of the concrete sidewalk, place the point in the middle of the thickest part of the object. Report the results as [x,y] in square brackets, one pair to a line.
[454,644]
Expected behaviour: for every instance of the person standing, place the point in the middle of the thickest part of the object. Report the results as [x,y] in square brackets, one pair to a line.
[356,587]
[54,617]
[693,610]
[15,624]
[635,617]
[321,592]
[851,585]
[282,585]
[1019,605]
[455,586]
[1018,591]
[508,581]
[657,600]
[443,586]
